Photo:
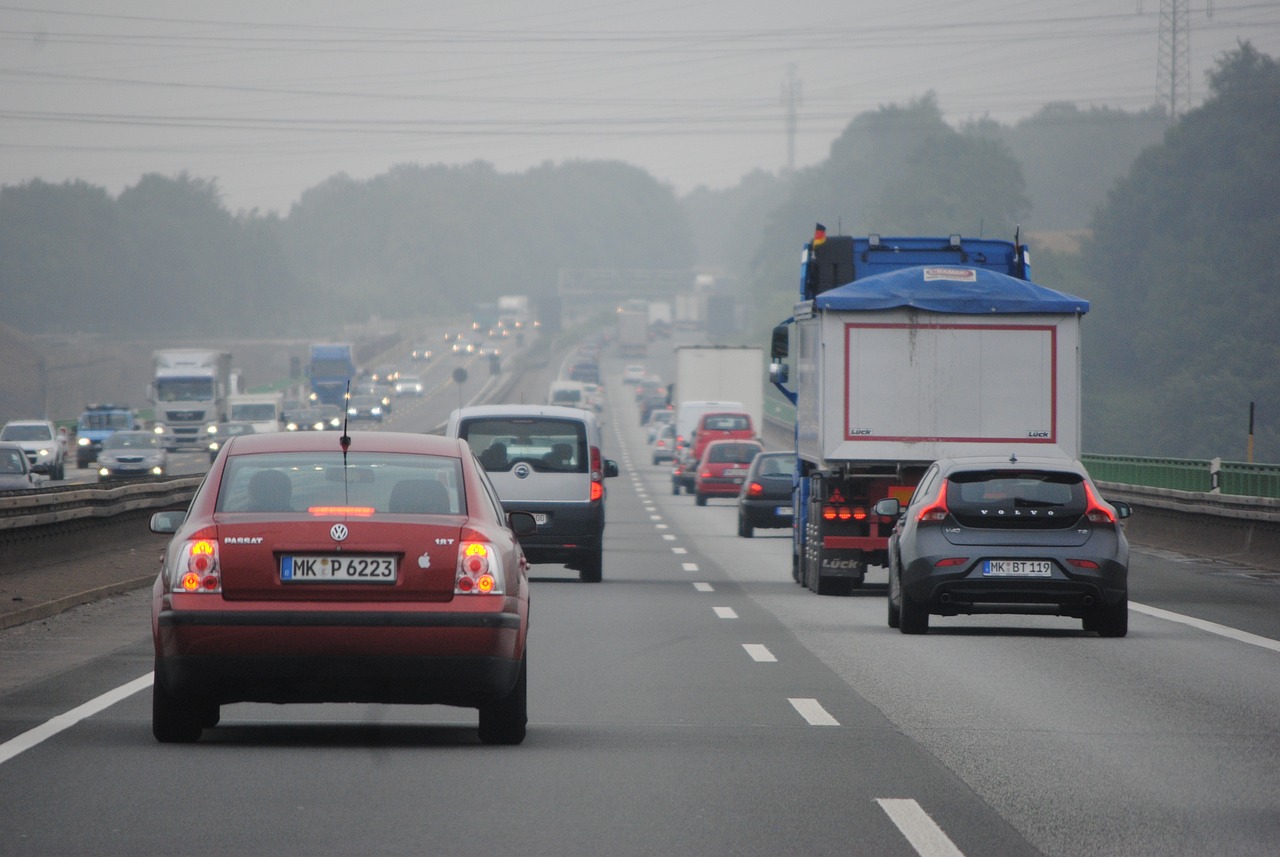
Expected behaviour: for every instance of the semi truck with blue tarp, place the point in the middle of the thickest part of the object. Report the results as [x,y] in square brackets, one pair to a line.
[331,369]
[903,351]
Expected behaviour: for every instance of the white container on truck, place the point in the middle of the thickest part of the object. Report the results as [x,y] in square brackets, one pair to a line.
[908,350]
[721,373]
[189,390]
[633,333]
[264,410]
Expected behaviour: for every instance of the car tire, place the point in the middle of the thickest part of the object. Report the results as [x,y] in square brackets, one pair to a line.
[675,489]
[1112,620]
[700,499]
[505,721]
[895,608]
[745,530]
[913,616]
[82,463]
[177,721]
[592,568]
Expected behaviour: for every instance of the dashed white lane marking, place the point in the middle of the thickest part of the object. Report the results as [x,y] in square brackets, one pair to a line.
[813,712]
[655,517]
[669,537]
[925,836]
[760,654]
[1211,627]
[679,550]
[725,612]
[704,587]
[661,526]
[689,566]
[67,719]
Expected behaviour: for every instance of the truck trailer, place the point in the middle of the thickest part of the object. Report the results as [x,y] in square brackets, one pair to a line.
[905,351]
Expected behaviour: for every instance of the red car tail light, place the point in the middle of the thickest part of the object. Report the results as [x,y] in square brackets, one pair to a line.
[597,475]
[755,489]
[951,562]
[194,566]
[1097,513]
[937,510]
[479,570]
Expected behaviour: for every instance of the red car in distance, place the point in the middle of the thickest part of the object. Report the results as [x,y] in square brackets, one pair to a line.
[723,468]
[306,569]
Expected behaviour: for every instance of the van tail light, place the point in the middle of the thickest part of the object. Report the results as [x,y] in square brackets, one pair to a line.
[597,475]
[1097,511]
[937,510]
[479,568]
[194,566]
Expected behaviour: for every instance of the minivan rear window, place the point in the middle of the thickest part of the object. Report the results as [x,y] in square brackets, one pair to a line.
[546,444]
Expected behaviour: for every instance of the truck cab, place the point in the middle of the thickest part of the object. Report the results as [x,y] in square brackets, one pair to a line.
[96,424]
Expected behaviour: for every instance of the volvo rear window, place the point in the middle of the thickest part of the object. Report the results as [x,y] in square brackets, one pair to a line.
[546,444]
[368,483]
[1017,496]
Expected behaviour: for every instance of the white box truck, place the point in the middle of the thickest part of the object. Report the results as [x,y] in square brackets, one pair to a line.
[264,410]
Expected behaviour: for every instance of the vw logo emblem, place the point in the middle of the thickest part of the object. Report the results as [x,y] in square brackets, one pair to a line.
[338,532]
[521,471]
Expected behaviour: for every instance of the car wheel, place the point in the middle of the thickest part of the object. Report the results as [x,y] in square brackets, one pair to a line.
[913,616]
[505,721]
[1112,621]
[60,472]
[700,499]
[82,463]
[895,613]
[745,530]
[592,569]
[675,488]
[174,720]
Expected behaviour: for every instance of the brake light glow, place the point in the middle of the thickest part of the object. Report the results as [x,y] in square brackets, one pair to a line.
[353,511]
[597,491]
[755,489]
[479,570]
[1097,512]
[937,510]
[1084,563]
[951,562]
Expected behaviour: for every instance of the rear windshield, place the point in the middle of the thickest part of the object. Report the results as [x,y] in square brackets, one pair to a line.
[726,422]
[776,465]
[546,444]
[393,483]
[1007,497]
[732,453]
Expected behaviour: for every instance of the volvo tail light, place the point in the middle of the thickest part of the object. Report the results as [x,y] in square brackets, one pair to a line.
[1097,511]
[937,510]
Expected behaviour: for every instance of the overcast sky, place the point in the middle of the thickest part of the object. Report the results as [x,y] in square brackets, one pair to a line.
[271,97]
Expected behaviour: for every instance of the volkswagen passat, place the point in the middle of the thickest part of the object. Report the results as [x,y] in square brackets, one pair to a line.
[306,569]
[1008,535]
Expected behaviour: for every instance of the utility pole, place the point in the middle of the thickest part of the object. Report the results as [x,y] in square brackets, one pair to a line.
[791,101]
[1173,62]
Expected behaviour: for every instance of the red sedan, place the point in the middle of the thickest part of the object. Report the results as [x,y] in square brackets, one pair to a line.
[315,567]
[723,468]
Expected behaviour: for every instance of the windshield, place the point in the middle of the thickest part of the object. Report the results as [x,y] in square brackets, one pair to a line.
[105,421]
[318,482]
[330,369]
[184,389]
[12,461]
[29,432]
[131,440]
[254,412]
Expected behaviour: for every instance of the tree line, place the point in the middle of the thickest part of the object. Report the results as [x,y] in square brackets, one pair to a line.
[1177,219]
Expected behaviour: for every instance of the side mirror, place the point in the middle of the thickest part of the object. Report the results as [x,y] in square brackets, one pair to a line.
[610,467]
[1123,509]
[522,523]
[889,507]
[780,343]
[167,522]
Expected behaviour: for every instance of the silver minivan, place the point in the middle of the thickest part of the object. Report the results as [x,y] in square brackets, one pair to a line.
[545,460]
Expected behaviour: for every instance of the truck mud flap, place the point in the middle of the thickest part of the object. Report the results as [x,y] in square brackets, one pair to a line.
[829,571]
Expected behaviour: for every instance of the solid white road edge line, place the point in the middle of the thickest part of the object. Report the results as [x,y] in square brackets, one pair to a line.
[66,720]
[925,836]
[1211,627]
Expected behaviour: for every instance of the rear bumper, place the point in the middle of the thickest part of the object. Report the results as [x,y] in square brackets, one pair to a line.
[411,657]
[764,513]
[1068,593]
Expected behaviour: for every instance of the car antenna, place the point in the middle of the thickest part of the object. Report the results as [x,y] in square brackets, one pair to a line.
[345,442]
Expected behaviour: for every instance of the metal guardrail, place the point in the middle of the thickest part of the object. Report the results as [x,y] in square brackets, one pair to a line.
[19,511]
[1208,476]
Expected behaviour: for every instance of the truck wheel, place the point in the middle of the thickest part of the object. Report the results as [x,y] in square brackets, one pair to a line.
[913,617]
[1112,621]
[795,568]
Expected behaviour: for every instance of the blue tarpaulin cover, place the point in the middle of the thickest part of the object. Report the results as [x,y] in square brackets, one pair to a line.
[950,289]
